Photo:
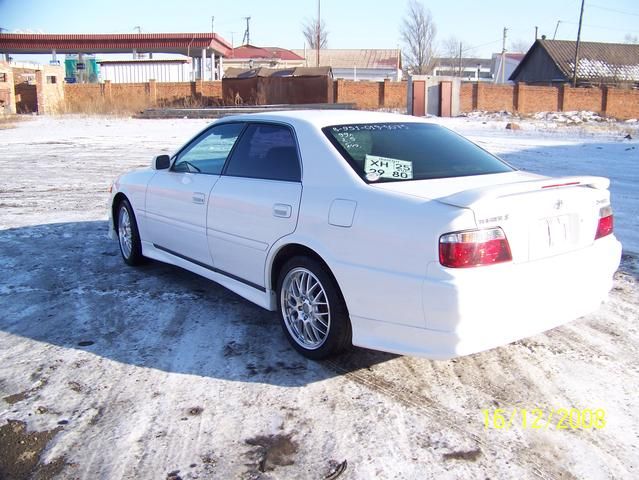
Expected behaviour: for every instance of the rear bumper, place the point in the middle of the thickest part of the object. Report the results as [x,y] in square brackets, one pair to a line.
[471,310]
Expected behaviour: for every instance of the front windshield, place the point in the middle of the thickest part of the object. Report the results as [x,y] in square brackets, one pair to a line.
[387,152]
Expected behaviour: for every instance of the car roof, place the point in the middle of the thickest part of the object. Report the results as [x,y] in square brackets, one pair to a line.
[324,118]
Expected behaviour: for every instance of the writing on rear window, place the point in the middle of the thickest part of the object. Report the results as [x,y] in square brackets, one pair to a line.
[370,127]
[383,167]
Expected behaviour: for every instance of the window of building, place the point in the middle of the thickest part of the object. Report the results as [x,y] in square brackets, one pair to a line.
[3,77]
[51,79]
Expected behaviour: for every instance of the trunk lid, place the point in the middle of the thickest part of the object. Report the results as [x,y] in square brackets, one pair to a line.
[540,216]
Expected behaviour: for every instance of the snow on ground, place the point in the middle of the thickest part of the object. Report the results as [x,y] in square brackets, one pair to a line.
[156,373]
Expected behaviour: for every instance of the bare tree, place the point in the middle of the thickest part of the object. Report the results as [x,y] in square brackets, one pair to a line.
[310,30]
[418,34]
[630,38]
[520,46]
[451,50]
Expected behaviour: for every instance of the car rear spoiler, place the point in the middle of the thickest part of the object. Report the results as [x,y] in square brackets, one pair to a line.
[474,196]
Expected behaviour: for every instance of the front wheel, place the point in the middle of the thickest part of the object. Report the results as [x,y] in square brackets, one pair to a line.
[128,234]
[312,311]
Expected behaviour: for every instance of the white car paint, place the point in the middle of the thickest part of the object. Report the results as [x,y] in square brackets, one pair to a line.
[380,242]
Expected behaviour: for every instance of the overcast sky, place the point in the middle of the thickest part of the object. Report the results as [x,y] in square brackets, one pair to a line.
[351,23]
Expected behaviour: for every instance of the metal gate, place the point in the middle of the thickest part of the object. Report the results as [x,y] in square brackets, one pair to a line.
[419,103]
[445,99]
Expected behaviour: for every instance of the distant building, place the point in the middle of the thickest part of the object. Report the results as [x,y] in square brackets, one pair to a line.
[143,70]
[470,69]
[7,89]
[553,61]
[250,56]
[511,61]
[357,64]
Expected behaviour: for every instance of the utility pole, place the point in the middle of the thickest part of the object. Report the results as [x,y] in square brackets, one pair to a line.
[503,55]
[247,33]
[536,32]
[318,32]
[212,23]
[574,74]
[461,68]
[555,34]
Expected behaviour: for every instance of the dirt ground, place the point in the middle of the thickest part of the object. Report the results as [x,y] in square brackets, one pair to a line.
[108,371]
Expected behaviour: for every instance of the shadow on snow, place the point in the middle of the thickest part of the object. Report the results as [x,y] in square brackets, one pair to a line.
[69,287]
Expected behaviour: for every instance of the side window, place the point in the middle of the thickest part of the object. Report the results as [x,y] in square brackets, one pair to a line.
[208,153]
[268,152]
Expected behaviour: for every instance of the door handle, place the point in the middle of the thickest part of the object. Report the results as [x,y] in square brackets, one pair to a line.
[198,198]
[282,210]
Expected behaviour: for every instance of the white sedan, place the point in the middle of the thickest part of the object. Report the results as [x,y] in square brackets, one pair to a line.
[378,230]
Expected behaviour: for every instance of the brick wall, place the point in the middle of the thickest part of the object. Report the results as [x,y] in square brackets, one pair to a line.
[50,86]
[366,95]
[622,104]
[583,99]
[532,99]
[171,91]
[467,94]
[613,102]
[395,94]
[495,98]
[371,95]
[133,97]
[7,90]
[82,92]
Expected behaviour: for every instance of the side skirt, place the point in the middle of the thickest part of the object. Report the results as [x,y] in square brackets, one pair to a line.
[248,290]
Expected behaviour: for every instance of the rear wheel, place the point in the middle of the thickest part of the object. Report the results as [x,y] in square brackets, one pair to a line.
[312,311]
[128,234]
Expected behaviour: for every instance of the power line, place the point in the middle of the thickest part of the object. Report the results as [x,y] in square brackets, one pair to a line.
[602,27]
[613,10]
[482,45]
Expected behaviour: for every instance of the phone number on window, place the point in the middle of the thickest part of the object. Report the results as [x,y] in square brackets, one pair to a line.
[544,419]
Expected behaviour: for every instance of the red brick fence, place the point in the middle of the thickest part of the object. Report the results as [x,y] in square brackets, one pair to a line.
[612,102]
[107,96]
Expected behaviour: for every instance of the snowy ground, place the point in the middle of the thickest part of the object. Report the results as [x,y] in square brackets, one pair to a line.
[156,373]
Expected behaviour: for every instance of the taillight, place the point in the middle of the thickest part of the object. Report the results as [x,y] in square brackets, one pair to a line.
[605,225]
[474,248]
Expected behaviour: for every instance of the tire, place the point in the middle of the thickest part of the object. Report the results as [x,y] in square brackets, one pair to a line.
[312,310]
[128,234]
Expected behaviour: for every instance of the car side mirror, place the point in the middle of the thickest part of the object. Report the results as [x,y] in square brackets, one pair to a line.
[161,162]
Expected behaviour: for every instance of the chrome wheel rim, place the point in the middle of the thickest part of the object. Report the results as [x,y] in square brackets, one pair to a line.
[305,308]
[124,232]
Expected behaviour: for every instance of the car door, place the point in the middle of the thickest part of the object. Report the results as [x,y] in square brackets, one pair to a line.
[177,199]
[255,202]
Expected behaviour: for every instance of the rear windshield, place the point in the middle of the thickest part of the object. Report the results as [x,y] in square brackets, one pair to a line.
[387,152]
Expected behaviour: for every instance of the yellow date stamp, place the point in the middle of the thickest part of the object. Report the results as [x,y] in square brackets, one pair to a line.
[544,418]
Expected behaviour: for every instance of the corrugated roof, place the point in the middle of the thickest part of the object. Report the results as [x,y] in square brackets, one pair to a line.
[109,42]
[359,58]
[247,52]
[597,61]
